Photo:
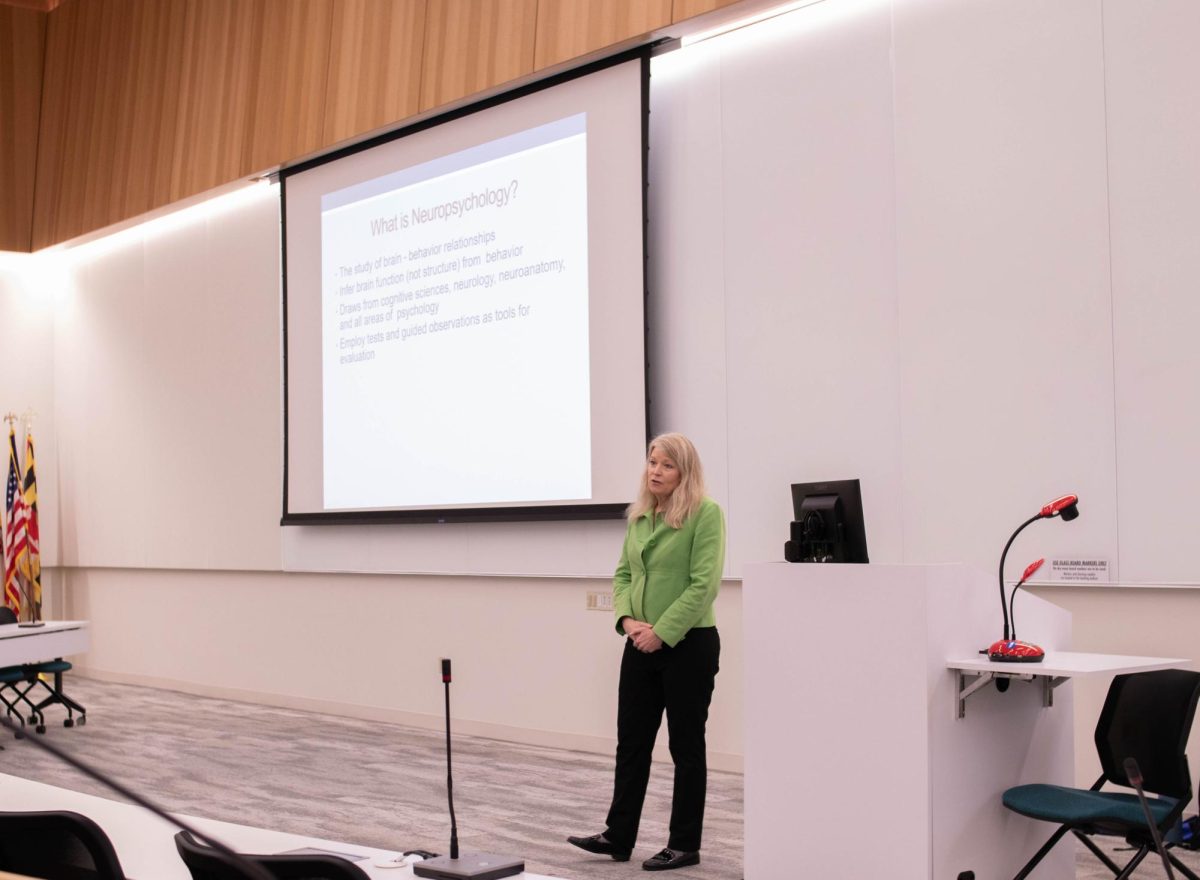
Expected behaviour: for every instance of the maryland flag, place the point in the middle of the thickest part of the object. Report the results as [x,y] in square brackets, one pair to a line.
[32,570]
[16,548]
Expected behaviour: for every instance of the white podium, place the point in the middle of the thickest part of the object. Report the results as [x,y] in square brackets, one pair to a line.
[857,764]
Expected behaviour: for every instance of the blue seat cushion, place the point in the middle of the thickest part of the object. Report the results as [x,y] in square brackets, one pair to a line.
[50,666]
[12,674]
[1076,806]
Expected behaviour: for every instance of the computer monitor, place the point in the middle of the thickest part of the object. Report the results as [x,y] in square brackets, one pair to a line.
[829,523]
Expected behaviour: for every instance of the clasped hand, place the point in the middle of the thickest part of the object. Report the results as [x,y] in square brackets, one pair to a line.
[642,634]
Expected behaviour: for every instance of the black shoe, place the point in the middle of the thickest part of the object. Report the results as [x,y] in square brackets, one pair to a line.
[670,858]
[601,846]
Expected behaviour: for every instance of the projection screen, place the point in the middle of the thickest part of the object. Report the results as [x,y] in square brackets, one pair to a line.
[464,312]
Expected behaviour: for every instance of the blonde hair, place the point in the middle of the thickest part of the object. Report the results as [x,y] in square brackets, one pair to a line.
[686,498]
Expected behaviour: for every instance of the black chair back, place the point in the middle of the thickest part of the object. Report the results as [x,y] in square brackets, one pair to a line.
[205,863]
[7,615]
[57,845]
[1148,716]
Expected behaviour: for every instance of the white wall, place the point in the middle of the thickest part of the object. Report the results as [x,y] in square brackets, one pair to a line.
[167,386]
[530,663]
[941,245]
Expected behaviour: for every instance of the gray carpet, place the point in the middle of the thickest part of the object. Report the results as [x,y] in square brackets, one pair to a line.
[363,782]
[383,785]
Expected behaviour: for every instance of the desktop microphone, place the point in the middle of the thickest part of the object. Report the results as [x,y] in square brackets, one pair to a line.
[243,866]
[1067,506]
[1028,651]
[1009,650]
[1134,774]
[469,866]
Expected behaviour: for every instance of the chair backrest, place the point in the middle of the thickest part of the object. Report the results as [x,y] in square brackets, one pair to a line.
[1148,716]
[57,845]
[206,863]
[7,615]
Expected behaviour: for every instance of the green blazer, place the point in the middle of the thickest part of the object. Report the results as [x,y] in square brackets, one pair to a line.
[669,577]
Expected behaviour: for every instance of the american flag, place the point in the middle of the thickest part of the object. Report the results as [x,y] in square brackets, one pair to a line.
[16,547]
[33,569]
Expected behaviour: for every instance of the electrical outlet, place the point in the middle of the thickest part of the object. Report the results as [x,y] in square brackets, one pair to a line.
[598,601]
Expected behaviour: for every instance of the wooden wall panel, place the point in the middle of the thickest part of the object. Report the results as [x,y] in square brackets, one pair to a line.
[685,9]
[222,40]
[374,65]
[568,29]
[22,45]
[472,46]
[288,117]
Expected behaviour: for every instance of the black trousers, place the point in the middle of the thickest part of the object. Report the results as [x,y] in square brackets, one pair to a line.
[679,680]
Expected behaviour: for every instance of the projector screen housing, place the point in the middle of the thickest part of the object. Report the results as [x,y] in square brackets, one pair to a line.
[464,311]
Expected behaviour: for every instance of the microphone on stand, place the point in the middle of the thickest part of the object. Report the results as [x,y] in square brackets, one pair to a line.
[1067,506]
[470,866]
[1134,774]
[1008,649]
[1030,570]
[243,866]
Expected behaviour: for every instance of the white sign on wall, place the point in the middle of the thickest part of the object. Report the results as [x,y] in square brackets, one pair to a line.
[1079,571]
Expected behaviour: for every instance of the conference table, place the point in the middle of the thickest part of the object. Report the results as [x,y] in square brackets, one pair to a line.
[32,644]
[145,843]
[52,640]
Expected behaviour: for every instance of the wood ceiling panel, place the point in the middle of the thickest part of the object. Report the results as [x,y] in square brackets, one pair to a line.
[22,46]
[569,29]
[684,9]
[112,74]
[288,117]
[146,118]
[374,65]
[472,46]
[31,5]
[217,91]
[83,52]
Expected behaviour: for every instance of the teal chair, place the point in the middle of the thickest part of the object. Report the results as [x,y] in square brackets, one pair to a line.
[35,673]
[31,676]
[1147,716]
[15,682]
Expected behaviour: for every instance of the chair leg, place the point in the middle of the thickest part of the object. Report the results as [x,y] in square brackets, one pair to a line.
[1134,862]
[1087,841]
[11,710]
[58,696]
[1181,867]
[1041,853]
[35,716]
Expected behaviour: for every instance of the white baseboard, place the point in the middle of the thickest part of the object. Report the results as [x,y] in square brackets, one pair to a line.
[599,745]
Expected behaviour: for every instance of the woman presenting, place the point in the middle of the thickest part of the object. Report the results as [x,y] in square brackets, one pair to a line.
[663,593]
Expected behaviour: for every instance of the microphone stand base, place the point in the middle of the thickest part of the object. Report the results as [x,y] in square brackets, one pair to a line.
[469,866]
[1014,651]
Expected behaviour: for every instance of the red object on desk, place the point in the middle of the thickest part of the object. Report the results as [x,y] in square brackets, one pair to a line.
[1015,651]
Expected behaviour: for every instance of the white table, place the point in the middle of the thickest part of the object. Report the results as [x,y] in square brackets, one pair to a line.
[145,843]
[57,638]
[1056,667]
